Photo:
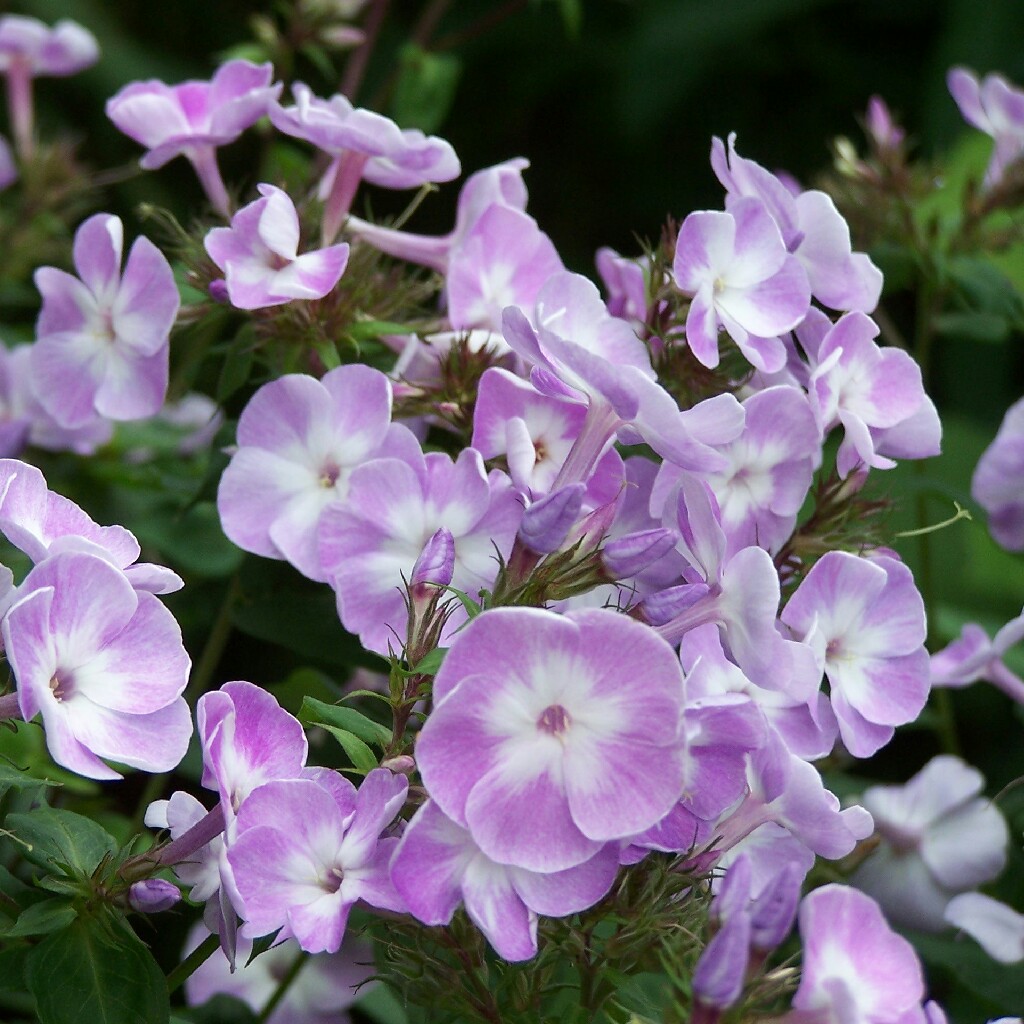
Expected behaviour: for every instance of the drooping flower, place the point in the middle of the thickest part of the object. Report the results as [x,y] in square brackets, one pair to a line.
[260,260]
[102,337]
[553,735]
[193,118]
[973,656]
[103,663]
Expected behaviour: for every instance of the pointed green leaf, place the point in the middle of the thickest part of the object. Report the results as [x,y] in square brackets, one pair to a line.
[83,974]
[358,752]
[63,839]
[316,712]
[42,918]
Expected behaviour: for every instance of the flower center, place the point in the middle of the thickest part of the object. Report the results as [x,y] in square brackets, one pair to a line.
[332,882]
[554,720]
[329,475]
[60,686]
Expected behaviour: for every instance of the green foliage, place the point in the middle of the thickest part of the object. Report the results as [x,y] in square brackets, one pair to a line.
[425,88]
[98,971]
[62,841]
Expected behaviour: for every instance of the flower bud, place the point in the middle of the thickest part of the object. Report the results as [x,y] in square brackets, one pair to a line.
[547,521]
[629,555]
[152,895]
[775,909]
[720,972]
[665,605]
[436,564]
[218,291]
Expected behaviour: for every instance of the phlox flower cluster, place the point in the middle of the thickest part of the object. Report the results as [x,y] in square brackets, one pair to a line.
[647,652]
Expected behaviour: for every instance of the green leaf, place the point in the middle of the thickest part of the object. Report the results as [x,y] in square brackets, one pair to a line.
[1003,984]
[316,712]
[473,608]
[383,1006]
[990,328]
[234,373]
[358,752]
[16,778]
[83,974]
[41,918]
[60,838]
[366,330]
[425,88]
[193,540]
[431,662]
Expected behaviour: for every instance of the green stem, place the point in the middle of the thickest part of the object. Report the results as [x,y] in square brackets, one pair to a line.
[217,640]
[192,962]
[282,988]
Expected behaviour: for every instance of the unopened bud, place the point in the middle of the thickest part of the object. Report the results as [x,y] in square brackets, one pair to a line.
[775,909]
[401,765]
[721,970]
[547,521]
[436,565]
[218,291]
[152,895]
[666,605]
[627,556]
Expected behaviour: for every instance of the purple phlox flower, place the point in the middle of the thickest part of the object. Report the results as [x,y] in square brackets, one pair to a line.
[919,436]
[997,928]
[501,185]
[813,230]
[504,259]
[625,280]
[64,49]
[304,854]
[103,663]
[750,917]
[29,49]
[534,432]
[43,523]
[194,118]
[327,984]
[863,387]
[259,255]
[881,127]
[247,739]
[938,837]
[102,337]
[153,895]
[790,703]
[998,481]
[769,471]
[437,866]
[772,853]
[788,791]
[680,831]
[580,352]
[996,107]
[856,969]
[740,593]
[370,542]
[973,656]
[868,619]
[365,145]
[25,421]
[553,735]
[736,268]
[546,522]
[299,441]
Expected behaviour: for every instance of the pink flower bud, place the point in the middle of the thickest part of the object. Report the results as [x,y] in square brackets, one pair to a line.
[547,521]
[152,895]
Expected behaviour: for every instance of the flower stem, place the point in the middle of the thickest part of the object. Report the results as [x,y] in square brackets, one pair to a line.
[202,832]
[282,988]
[192,962]
[204,160]
[19,105]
